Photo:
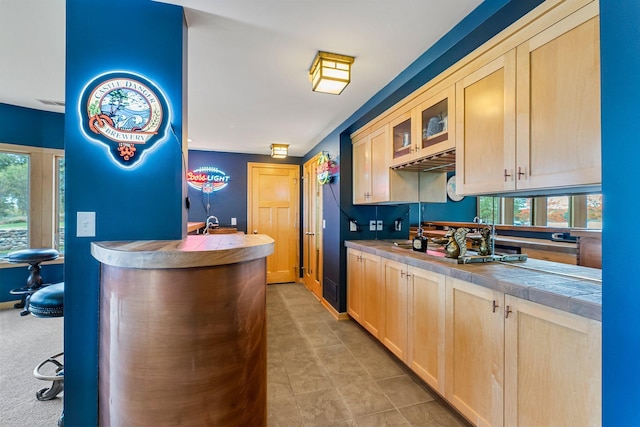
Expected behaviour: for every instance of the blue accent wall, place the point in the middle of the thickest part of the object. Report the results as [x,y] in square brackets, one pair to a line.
[35,128]
[231,201]
[145,202]
[620,67]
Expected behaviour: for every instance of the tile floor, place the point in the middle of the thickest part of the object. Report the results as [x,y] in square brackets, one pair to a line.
[324,372]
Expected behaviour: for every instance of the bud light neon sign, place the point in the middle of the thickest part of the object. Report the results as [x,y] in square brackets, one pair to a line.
[207,179]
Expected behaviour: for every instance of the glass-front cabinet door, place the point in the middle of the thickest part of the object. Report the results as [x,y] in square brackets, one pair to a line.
[403,147]
[437,123]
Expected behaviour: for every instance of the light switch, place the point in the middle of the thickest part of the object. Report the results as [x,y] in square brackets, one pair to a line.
[86,224]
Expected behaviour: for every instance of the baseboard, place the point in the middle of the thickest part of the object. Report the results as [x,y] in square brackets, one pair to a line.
[333,311]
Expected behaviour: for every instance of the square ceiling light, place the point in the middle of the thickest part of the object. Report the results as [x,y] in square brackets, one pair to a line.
[330,72]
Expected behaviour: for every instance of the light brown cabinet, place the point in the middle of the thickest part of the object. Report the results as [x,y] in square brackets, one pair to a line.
[507,358]
[426,321]
[394,335]
[552,361]
[474,352]
[374,182]
[530,119]
[365,289]
[424,130]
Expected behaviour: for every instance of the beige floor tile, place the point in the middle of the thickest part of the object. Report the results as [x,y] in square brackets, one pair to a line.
[431,414]
[283,412]
[404,391]
[364,398]
[322,408]
[382,419]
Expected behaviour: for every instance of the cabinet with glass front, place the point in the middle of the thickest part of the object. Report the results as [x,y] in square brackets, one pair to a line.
[430,132]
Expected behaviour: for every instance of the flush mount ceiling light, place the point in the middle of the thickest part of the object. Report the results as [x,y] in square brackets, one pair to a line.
[279,151]
[330,72]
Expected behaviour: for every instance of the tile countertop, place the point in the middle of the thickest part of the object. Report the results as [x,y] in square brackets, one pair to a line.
[570,288]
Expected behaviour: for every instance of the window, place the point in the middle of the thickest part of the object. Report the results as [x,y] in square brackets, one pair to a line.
[582,211]
[31,198]
[14,201]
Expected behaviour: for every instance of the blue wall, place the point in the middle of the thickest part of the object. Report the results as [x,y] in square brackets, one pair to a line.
[231,201]
[139,203]
[620,67]
[25,126]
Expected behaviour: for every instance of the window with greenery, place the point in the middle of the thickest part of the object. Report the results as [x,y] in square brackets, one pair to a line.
[582,211]
[31,198]
[14,201]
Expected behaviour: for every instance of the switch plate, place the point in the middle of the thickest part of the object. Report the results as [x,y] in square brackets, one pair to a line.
[324,224]
[86,224]
[398,225]
[372,225]
[353,226]
[234,221]
[379,225]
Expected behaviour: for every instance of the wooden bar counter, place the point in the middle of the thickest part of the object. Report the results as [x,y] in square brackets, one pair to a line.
[183,331]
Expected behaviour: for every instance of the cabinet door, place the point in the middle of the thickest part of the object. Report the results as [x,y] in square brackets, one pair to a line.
[552,367]
[361,170]
[395,308]
[559,104]
[354,285]
[485,128]
[436,131]
[402,146]
[474,351]
[372,318]
[380,161]
[426,308]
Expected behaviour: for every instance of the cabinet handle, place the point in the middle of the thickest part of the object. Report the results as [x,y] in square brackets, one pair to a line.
[401,274]
[506,175]
[495,305]
[507,311]
[520,173]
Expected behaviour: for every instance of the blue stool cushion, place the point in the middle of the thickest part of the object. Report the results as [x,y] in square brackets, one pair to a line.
[48,301]
[31,256]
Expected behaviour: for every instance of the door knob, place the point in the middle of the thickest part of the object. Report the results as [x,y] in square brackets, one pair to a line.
[255,231]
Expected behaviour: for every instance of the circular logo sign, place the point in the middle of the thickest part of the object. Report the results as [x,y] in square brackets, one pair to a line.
[207,179]
[125,112]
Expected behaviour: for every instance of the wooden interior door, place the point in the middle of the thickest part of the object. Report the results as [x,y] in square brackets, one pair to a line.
[273,205]
[312,227]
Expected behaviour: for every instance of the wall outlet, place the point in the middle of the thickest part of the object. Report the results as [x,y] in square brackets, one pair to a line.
[372,225]
[379,225]
[353,225]
[86,224]
[234,221]
[397,225]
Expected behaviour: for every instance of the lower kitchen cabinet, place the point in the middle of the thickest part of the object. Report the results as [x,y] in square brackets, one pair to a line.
[365,289]
[552,367]
[426,320]
[394,335]
[513,362]
[474,351]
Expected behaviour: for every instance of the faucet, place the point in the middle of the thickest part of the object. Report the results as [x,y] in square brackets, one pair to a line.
[212,222]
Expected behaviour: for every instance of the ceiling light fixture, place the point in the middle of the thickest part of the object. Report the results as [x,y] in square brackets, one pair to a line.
[279,151]
[330,72]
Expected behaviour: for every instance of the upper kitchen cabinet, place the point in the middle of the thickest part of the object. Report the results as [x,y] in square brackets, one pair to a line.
[374,182]
[485,128]
[530,119]
[558,104]
[425,131]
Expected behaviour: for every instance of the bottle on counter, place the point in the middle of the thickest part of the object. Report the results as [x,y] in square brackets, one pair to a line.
[420,241]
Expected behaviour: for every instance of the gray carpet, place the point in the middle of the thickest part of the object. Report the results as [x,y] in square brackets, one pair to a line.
[24,343]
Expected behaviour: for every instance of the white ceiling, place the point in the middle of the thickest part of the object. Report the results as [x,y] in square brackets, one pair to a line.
[248,62]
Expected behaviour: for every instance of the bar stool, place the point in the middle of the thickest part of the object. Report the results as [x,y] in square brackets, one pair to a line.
[33,257]
[48,301]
